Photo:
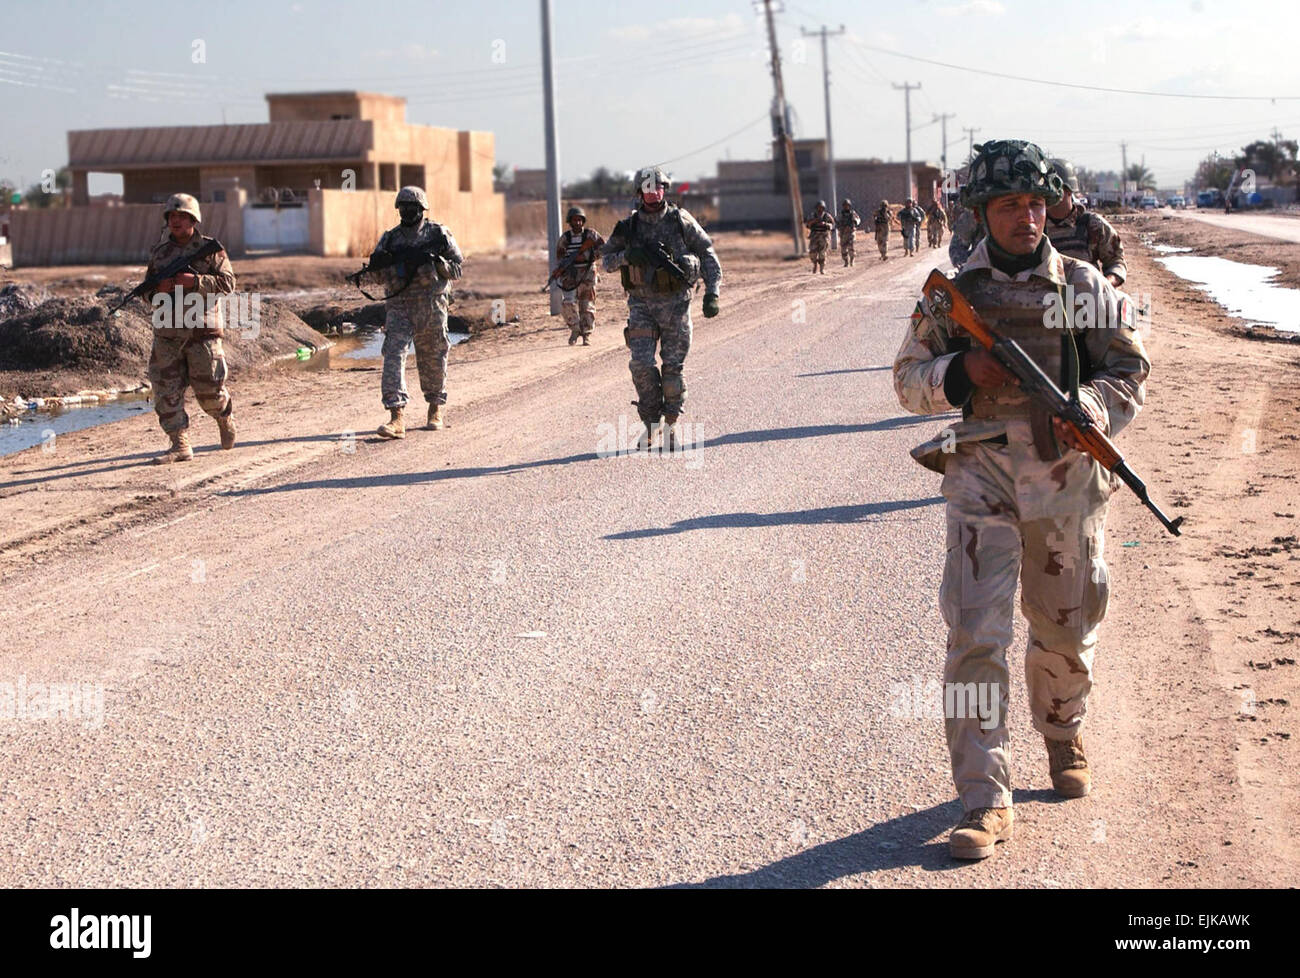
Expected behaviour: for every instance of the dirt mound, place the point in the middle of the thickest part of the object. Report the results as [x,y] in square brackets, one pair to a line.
[20,297]
[63,345]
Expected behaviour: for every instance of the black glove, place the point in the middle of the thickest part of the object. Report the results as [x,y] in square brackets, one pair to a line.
[636,255]
[710,305]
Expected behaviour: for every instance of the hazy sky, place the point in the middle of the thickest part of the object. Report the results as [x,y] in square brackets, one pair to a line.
[643,83]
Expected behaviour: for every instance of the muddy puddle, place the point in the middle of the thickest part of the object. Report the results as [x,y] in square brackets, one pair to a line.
[32,428]
[359,351]
[1246,291]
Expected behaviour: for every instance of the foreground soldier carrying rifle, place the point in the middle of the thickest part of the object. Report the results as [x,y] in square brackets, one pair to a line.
[1026,495]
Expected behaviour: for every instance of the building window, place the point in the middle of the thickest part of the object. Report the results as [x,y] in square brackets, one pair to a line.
[340,116]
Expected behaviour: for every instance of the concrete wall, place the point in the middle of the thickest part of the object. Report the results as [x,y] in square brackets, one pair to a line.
[350,222]
[109,235]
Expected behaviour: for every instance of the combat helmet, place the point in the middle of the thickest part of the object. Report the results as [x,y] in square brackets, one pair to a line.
[821,205]
[648,173]
[412,195]
[1011,166]
[185,204]
[847,202]
[1066,171]
[575,211]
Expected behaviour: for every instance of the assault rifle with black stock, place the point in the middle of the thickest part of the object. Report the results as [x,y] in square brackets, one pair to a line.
[943,296]
[567,263]
[407,261]
[179,266]
[661,257]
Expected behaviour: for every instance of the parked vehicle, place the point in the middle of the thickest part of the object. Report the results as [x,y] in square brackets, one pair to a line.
[1209,198]
[1150,203]
[1177,200]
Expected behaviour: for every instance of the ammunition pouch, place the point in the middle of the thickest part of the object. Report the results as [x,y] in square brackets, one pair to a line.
[657,280]
[631,333]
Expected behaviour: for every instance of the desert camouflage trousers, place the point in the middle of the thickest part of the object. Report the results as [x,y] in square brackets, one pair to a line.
[934,232]
[579,306]
[846,246]
[187,361]
[1012,516]
[424,324]
[663,323]
[882,239]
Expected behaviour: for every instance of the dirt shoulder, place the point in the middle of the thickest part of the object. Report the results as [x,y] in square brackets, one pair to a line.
[1219,443]
[1209,239]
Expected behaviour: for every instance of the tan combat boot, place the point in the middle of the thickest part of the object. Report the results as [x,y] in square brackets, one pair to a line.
[1070,775]
[979,831]
[180,450]
[226,425]
[435,422]
[395,427]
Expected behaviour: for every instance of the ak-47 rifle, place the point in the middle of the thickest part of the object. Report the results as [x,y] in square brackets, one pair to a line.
[943,296]
[406,260]
[180,265]
[566,263]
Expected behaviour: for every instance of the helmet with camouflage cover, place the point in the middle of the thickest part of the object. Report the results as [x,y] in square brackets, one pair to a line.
[185,204]
[847,202]
[411,195]
[1066,171]
[1010,166]
[821,205]
[575,211]
[647,174]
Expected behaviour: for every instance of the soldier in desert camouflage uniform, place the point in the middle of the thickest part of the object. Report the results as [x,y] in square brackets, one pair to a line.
[848,223]
[819,226]
[935,225]
[658,302]
[416,310]
[1080,233]
[881,221]
[188,356]
[1022,501]
[578,282]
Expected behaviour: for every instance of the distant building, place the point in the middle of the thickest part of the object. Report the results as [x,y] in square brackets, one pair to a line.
[752,193]
[319,177]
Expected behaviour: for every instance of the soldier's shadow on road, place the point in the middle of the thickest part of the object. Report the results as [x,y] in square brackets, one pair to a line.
[72,470]
[918,840]
[399,479]
[801,517]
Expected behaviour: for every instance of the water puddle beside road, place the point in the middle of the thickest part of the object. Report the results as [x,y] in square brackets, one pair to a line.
[1246,291]
[1165,249]
[42,427]
[360,351]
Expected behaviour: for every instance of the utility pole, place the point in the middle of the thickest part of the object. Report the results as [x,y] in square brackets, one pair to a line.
[791,167]
[907,116]
[552,154]
[942,119]
[830,149]
[970,142]
[1123,173]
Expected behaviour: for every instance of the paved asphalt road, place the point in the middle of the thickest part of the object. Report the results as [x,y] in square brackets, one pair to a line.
[1267,225]
[488,656]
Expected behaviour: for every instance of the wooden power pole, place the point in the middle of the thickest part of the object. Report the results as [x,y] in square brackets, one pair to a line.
[783,134]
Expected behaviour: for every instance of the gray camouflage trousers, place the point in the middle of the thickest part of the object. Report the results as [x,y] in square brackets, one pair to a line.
[425,324]
[663,322]
[1012,516]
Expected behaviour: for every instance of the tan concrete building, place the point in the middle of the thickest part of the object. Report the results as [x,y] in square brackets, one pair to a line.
[319,177]
[752,194]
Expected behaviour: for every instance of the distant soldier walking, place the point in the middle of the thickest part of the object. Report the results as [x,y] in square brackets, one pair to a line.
[188,355]
[935,225]
[579,246]
[881,220]
[848,224]
[417,260]
[661,252]
[910,217]
[819,226]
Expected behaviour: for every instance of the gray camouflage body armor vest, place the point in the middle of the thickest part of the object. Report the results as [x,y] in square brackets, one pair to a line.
[669,230]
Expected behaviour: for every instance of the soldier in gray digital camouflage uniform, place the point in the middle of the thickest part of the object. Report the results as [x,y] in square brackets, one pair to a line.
[658,300]
[416,310]
[1023,502]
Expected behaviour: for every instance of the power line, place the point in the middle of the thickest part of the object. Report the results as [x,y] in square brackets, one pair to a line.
[731,135]
[1089,88]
